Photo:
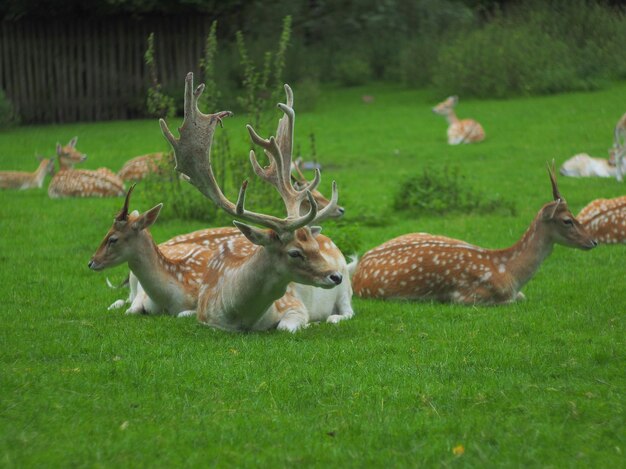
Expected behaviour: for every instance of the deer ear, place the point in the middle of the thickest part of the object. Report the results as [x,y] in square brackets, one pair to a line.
[256,235]
[315,230]
[148,218]
[59,148]
[550,210]
[455,100]
[73,142]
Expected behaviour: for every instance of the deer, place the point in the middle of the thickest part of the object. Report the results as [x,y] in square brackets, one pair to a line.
[169,276]
[583,165]
[459,130]
[256,283]
[211,238]
[605,219]
[421,266]
[70,182]
[139,167]
[23,180]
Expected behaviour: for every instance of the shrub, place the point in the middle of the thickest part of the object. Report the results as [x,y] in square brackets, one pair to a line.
[352,70]
[535,48]
[437,192]
[158,103]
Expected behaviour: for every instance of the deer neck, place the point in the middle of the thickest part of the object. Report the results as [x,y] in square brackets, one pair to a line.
[40,174]
[158,275]
[523,259]
[451,117]
[251,289]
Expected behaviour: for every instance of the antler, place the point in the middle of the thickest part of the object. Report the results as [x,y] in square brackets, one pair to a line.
[123,215]
[555,188]
[193,159]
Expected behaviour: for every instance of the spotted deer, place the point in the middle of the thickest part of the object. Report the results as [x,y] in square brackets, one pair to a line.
[23,180]
[170,276]
[422,266]
[605,220]
[459,130]
[247,284]
[139,167]
[70,182]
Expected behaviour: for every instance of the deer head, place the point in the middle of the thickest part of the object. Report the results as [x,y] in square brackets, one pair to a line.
[445,107]
[563,226]
[289,241]
[119,243]
[68,155]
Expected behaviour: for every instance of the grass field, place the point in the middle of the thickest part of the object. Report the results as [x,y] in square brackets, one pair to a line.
[539,383]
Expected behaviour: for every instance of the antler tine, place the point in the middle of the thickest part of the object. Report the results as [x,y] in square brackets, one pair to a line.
[123,215]
[325,213]
[555,187]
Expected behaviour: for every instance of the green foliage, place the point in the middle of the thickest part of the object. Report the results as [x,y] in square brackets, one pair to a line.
[541,48]
[439,192]
[262,89]
[351,70]
[180,199]
[211,94]
[8,116]
[158,103]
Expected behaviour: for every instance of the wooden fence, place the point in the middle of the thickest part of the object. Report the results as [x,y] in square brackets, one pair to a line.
[68,71]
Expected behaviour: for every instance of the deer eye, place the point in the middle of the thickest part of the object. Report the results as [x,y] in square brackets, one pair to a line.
[568,221]
[294,253]
[112,240]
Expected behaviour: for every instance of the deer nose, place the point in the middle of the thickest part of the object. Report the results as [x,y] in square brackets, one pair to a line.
[341,210]
[90,263]
[594,243]
[336,278]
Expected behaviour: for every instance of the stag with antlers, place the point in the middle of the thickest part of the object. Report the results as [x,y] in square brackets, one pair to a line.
[247,282]
[421,266]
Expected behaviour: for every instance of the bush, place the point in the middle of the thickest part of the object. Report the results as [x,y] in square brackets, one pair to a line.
[438,192]
[8,116]
[352,70]
[536,48]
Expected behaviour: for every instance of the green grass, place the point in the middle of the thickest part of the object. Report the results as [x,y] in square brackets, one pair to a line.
[539,383]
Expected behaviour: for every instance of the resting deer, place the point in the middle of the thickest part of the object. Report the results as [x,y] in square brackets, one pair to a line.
[583,165]
[23,180]
[248,284]
[605,220]
[139,167]
[70,182]
[169,275]
[459,130]
[421,266]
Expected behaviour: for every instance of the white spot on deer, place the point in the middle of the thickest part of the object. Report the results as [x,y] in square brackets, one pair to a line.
[501,268]
[486,276]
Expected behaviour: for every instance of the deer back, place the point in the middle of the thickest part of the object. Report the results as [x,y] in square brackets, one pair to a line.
[86,183]
[605,219]
[139,167]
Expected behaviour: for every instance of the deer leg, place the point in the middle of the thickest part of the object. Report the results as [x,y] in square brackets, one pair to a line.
[343,308]
[186,314]
[140,296]
[292,312]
